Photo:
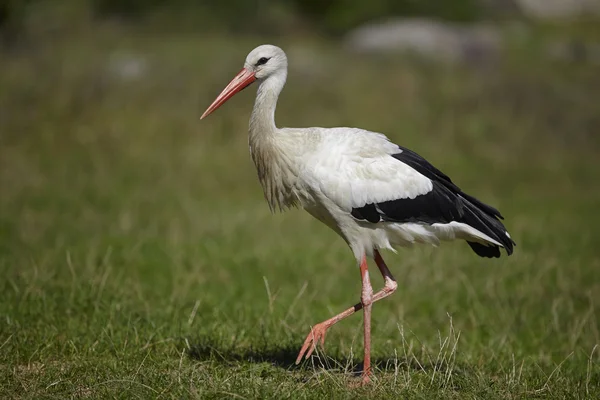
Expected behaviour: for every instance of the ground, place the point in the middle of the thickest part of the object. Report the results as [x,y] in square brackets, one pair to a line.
[140,259]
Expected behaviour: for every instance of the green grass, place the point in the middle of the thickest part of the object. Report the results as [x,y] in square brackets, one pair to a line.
[140,260]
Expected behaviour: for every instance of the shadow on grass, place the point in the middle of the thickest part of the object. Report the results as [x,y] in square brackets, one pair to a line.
[285,357]
[278,356]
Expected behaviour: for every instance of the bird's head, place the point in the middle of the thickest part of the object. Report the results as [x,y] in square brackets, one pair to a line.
[262,63]
[266,60]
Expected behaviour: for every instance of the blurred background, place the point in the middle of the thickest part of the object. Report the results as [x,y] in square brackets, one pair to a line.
[99,102]
[117,204]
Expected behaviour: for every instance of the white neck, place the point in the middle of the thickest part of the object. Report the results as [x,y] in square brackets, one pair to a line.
[262,120]
[271,162]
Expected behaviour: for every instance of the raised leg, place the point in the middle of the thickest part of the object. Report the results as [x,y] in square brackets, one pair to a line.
[390,284]
[318,332]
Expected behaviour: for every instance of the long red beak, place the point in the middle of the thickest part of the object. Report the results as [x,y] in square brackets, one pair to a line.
[239,82]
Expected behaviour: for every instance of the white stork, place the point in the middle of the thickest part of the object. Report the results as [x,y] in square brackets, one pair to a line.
[372,192]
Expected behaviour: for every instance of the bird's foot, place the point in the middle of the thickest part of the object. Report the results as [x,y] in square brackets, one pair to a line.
[316,335]
[364,380]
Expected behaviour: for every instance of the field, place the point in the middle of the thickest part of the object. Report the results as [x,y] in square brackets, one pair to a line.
[139,258]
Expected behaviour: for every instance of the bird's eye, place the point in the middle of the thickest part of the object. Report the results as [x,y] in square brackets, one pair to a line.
[262,61]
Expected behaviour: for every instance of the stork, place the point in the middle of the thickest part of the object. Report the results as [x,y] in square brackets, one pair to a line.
[373,193]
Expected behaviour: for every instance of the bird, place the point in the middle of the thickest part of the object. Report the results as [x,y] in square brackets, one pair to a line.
[373,193]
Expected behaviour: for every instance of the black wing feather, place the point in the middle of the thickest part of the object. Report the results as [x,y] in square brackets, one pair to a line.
[443,204]
[423,166]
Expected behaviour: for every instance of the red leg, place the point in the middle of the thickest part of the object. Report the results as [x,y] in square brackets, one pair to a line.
[366,299]
[390,283]
[318,332]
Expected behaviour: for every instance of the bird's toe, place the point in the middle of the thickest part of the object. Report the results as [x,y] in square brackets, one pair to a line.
[316,336]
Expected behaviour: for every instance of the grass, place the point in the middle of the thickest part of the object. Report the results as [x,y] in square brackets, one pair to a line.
[140,260]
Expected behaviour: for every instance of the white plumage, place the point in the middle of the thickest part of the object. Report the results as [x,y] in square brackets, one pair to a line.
[372,192]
